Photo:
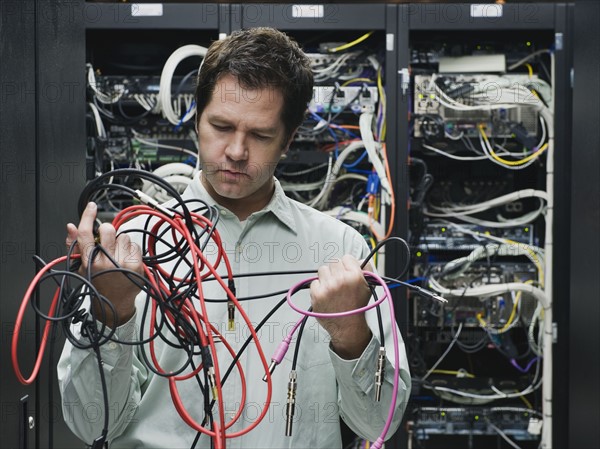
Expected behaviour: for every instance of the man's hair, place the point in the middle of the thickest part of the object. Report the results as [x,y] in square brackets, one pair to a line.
[259,58]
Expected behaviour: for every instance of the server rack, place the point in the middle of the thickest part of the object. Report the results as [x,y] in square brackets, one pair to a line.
[582,388]
[42,166]
[309,23]
[456,23]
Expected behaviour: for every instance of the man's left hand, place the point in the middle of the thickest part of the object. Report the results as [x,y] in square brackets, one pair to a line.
[340,287]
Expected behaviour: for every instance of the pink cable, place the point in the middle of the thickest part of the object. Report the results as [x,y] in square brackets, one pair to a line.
[379,442]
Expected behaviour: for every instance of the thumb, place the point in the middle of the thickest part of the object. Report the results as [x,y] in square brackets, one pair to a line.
[71,235]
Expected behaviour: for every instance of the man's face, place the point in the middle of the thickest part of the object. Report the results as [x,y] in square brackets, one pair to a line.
[241,138]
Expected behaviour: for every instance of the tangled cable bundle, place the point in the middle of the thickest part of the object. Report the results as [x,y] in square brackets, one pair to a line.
[176,233]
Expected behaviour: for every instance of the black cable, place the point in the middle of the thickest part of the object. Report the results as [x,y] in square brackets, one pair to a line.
[95,329]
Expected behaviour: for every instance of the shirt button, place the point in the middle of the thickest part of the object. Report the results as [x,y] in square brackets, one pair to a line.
[223,212]
[112,345]
[362,373]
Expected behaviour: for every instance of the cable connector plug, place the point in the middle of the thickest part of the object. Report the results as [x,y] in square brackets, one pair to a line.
[147,199]
[212,381]
[279,355]
[207,361]
[290,409]
[99,442]
[379,373]
[230,316]
[231,307]
[428,293]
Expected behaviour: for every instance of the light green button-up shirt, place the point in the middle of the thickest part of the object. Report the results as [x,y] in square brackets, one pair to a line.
[284,236]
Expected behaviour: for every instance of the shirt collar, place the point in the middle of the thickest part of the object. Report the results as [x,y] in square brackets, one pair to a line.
[279,206]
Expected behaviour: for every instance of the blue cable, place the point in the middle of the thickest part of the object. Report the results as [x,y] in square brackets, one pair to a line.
[186,113]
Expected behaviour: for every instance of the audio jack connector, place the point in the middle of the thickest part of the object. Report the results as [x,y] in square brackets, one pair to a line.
[291,404]
[230,316]
[231,307]
[379,373]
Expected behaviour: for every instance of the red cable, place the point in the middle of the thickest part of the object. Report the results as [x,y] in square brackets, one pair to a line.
[156,275]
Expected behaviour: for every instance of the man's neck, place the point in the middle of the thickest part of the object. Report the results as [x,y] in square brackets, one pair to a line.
[242,208]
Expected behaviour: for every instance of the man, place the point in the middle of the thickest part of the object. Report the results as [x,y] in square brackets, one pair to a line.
[251,96]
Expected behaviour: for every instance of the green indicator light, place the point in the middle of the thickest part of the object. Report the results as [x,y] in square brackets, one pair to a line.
[432,96]
[419,253]
[526,229]
[476,417]
[443,413]
[443,229]
[528,44]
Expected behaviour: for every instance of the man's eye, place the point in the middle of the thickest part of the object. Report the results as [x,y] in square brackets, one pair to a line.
[220,127]
[261,137]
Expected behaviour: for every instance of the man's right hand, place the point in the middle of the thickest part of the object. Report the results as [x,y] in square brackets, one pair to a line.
[116,287]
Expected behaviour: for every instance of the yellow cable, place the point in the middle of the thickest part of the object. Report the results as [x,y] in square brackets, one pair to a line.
[356,80]
[351,44]
[524,399]
[530,69]
[534,258]
[505,161]
[373,245]
[382,101]
[482,322]
[513,313]
[453,373]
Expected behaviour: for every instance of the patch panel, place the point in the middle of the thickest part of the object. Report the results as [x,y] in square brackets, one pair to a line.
[444,237]
[434,96]
[469,312]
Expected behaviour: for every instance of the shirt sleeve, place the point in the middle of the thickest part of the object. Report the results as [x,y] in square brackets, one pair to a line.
[356,378]
[81,387]
[356,391]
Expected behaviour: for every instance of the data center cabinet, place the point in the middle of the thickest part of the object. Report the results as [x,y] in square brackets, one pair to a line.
[340,157]
[141,62]
[484,92]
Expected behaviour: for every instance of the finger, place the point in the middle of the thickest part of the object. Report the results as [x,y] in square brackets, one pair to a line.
[108,238]
[127,251]
[85,235]
[354,271]
[324,275]
[135,257]
[71,235]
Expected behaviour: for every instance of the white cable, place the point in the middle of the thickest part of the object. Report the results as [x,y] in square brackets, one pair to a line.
[177,174]
[307,187]
[320,201]
[359,217]
[528,57]
[443,356]
[503,435]
[98,120]
[162,145]
[492,290]
[164,102]
[101,96]
[460,265]
[366,133]
[486,205]
[452,156]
